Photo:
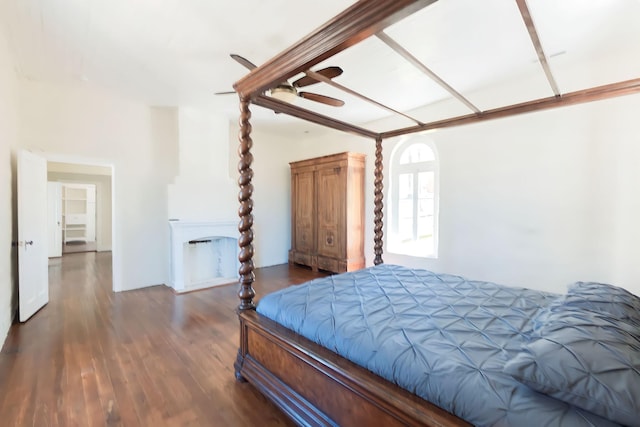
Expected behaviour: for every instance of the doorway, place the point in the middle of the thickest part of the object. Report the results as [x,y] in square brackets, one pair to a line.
[80,206]
[80,200]
[72,216]
[36,175]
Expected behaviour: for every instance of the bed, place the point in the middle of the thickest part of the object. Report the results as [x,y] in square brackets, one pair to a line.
[453,342]
[315,385]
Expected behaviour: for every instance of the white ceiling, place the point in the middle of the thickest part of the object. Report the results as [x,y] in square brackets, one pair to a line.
[176,52]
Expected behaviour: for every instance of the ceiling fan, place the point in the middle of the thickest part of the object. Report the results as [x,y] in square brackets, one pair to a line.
[286,91]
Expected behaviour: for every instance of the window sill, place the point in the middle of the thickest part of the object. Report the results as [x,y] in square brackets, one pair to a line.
[412,255]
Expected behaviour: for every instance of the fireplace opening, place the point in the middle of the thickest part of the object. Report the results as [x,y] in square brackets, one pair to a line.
[203,254]
[210,261]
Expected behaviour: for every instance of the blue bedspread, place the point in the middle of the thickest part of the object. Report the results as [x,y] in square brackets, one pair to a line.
[439,336]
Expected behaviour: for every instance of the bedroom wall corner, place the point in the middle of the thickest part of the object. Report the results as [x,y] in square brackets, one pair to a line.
[8,140]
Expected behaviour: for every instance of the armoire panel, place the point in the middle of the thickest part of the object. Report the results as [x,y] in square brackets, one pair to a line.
[304,211]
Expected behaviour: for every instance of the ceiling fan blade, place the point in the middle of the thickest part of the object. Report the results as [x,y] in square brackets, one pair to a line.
[225,93]
[329,72]
[243,61]
[321,98]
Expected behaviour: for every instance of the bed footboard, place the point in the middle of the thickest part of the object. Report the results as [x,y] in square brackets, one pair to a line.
[316,387]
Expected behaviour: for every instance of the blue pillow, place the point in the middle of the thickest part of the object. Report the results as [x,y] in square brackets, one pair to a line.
[588,359]
[604,298]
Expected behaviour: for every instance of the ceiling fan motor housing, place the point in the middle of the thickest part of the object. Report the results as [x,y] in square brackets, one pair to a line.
[284,92]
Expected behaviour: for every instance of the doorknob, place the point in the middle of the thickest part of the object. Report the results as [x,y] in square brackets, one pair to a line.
[29,242]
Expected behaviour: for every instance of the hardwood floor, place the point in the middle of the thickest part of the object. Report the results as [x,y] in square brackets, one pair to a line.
[147,357]
[73,247]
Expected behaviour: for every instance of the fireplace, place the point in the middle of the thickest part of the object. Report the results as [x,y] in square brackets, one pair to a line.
[203,254]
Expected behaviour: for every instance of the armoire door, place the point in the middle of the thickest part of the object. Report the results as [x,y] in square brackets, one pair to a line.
[304,202]
[331,189]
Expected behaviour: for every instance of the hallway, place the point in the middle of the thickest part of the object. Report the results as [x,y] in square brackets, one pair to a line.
[138,358]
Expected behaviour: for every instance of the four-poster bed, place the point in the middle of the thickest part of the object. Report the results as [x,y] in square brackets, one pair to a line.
[313,385]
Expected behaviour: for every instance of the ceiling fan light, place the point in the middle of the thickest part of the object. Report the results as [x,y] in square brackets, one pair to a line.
[284,93]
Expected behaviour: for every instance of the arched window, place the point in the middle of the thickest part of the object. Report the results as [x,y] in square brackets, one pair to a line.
[413,224]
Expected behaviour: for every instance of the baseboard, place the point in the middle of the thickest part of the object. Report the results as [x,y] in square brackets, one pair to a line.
[5,324]
[203,287]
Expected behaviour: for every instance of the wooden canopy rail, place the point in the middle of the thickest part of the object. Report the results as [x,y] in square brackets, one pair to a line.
[355,24]
[310,384]
[330,82]
[626,87]
[533,33]
[371,17]
[426,70]
[301,113]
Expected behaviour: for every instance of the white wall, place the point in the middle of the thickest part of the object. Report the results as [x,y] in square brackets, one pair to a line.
[541,200]
[271,211]
[617,158]
[203,189]
[8,138]
[140,143]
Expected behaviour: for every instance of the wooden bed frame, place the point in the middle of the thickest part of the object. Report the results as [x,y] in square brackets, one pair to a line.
[312,385]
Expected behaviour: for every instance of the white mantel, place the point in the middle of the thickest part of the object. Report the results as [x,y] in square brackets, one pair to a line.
[182,232]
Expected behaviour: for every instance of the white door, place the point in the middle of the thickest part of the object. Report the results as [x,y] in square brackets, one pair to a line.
[54,218]
[33,279]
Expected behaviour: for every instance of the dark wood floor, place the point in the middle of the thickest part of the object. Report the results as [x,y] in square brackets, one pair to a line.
[138,358]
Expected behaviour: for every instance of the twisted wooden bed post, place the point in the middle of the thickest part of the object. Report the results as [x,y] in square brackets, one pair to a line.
[245,241]
[377,201]
[246,292]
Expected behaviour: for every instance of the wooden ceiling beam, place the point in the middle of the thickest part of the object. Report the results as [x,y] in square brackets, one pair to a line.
[311,116]
[399,49]
[627,87]
[321,78]
[363,19]
[533,33]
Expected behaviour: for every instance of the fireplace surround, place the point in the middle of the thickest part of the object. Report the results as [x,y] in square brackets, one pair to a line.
[203,254]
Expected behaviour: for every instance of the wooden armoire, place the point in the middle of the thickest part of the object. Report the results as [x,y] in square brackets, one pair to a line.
[327,212]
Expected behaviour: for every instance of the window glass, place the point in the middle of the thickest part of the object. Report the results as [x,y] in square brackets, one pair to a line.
[406,186]
[425,205]
[405,215]
[416,153]
[413,210]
